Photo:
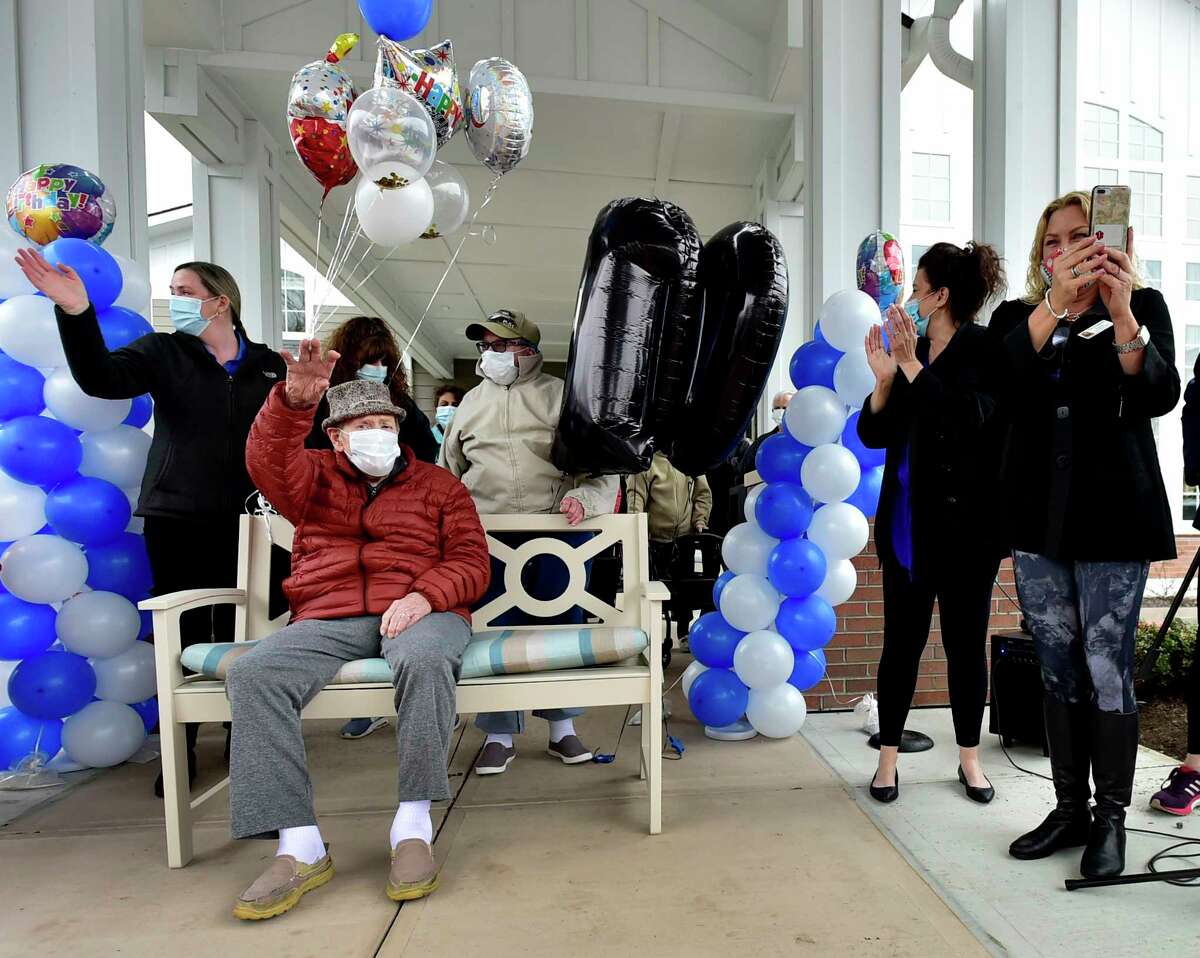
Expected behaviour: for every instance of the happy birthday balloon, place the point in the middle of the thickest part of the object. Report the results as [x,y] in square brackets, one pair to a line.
[428,75]
[319,100]
[58,200]
[880,268]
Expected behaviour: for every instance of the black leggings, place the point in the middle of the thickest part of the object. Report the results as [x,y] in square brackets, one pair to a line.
[1193,702]
[963,589]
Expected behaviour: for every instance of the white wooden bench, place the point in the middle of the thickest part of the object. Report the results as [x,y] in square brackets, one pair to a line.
[195,698]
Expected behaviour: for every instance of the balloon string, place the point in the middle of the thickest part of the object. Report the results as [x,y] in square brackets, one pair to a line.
[487,198]
[329,283]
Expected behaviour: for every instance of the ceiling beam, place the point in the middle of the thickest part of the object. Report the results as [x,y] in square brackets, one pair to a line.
[718,34]
[668,139]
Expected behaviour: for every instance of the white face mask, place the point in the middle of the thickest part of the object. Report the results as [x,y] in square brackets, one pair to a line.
[500,368]
[777,415]
[374,451]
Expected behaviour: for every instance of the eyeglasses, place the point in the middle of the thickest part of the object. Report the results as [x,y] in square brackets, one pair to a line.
[503,346]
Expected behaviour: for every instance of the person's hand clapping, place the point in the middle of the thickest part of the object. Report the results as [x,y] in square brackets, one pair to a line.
[60,284]
[881,362]
[902,335]
[308,376]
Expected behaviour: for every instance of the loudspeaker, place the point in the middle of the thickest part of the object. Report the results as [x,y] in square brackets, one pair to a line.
[1016,713]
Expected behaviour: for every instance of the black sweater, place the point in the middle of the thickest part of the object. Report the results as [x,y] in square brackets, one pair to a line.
[944,419]
[202,415]
[1081,480]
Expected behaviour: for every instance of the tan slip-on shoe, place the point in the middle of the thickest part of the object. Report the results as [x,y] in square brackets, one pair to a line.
[413,873]
[281,886]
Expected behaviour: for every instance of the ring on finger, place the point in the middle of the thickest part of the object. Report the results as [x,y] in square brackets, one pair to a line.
[1075,271]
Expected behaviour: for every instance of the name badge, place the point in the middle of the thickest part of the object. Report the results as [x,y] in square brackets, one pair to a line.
[1096,329]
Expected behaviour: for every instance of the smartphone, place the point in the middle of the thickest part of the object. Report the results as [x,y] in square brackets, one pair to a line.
[1110,215]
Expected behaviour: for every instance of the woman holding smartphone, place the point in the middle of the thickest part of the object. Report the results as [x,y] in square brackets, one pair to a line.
[931,409]
[1088,361]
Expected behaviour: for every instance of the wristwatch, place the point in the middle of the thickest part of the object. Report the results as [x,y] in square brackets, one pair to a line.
[1138,342]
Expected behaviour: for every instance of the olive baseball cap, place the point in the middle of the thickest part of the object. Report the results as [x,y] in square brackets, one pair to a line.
[507,325]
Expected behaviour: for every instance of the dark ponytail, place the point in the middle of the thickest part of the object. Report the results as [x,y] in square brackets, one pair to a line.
[972,275]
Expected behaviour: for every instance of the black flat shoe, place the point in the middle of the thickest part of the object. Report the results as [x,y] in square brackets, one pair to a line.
[981,795]
[885,793]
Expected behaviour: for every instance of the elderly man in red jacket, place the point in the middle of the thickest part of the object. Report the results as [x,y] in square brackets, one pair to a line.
[389,556]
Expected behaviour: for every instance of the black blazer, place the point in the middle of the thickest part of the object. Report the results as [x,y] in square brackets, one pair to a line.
[415,431]
[202,415]
[1081,479]
[944,418]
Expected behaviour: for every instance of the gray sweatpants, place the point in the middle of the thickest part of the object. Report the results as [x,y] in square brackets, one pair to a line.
[269,787]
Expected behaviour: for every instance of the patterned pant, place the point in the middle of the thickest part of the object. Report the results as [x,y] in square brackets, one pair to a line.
[1083,616]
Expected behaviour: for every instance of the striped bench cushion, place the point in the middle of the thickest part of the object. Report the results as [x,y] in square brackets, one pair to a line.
[510,652]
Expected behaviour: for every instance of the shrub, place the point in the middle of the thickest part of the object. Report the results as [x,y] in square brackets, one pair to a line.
[1172,671]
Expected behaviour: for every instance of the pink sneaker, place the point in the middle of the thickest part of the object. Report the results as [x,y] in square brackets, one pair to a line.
[1180,793]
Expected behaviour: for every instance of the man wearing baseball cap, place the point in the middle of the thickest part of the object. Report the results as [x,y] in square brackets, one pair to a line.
[499,445]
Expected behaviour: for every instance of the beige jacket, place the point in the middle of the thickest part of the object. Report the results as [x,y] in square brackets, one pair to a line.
[499,446]
[676,505]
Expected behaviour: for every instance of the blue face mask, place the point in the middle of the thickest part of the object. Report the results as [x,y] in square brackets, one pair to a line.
[185,314]
[443,415]
[373,374]
[913,308]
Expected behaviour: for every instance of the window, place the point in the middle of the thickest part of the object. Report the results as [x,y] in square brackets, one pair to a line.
[1191,345]
[1191,500]
[1152,273]
[1100,130]
[1145,142]
[931,187]
[1146,213]
[1192,286]
[1193,207]
[917,253]
[1097,176]
[294,313]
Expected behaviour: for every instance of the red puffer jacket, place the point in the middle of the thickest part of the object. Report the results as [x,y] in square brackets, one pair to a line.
[356,549]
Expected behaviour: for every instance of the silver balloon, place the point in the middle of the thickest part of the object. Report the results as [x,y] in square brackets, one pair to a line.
[102,734]
[98,625]
[499,111]
[451,200]
[127,676]
[117,454]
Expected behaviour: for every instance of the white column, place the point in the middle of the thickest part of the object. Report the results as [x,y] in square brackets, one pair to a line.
[235,223]
[72,71]
[786,221]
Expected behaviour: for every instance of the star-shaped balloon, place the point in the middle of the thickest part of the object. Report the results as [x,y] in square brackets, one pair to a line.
[428,75]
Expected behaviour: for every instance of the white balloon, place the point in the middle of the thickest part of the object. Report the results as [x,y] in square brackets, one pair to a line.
[750,603]
[393,217]
[841,579]
[77,409]
[777,712]
[689,675]
[117,455]
[135,284]
[29,332]
[22,508]
[846,317]
[853,378]
[102,734]
[127,676]
[451,198]
[43,569]
[12,280]
[98,625]
[751,500]
[763,659]
[815,416]
[747,548]
[830,473]
[840,530]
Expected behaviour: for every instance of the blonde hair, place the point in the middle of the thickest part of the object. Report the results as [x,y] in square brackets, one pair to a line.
[220,282]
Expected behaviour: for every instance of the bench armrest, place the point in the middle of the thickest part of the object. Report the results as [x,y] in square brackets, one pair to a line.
[653,592]
[167,639]
[193,599]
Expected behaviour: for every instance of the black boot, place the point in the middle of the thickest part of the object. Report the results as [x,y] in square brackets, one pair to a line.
[1114,757]
[192,730]
[1068,825]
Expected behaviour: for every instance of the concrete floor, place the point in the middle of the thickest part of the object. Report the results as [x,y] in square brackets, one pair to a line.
[764,852]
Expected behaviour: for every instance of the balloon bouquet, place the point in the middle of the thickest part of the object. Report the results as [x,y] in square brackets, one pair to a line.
[392,132]
[72,564]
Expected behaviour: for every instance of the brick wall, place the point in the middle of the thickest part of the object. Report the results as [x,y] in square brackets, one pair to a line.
[1186,546]
[853,655]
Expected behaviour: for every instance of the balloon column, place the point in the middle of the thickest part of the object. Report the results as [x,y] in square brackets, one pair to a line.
[72,565]
[790,563]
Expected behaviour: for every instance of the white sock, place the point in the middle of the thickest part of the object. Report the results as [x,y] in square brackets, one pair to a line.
[412,821]
[561,729]
[505,740]
[303,843]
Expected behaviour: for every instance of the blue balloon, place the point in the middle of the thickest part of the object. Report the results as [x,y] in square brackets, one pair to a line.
[712,641]
[866,496]
[21,389]
[807,623]
[87,510]
[121,566]
[719,586]
[120,326]
[784,510]
[813,365]
[396,19]
[39,450]
[20,735]
[718,697]
[101,274]
[796,568]
[52,685]
[148,710]
[140,410]
[147,628]
[818,336]
[809,668]
[25,628]
[779,458]
[867,458]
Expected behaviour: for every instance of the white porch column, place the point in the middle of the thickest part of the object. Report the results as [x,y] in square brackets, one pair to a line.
[74,93]
[852,146]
